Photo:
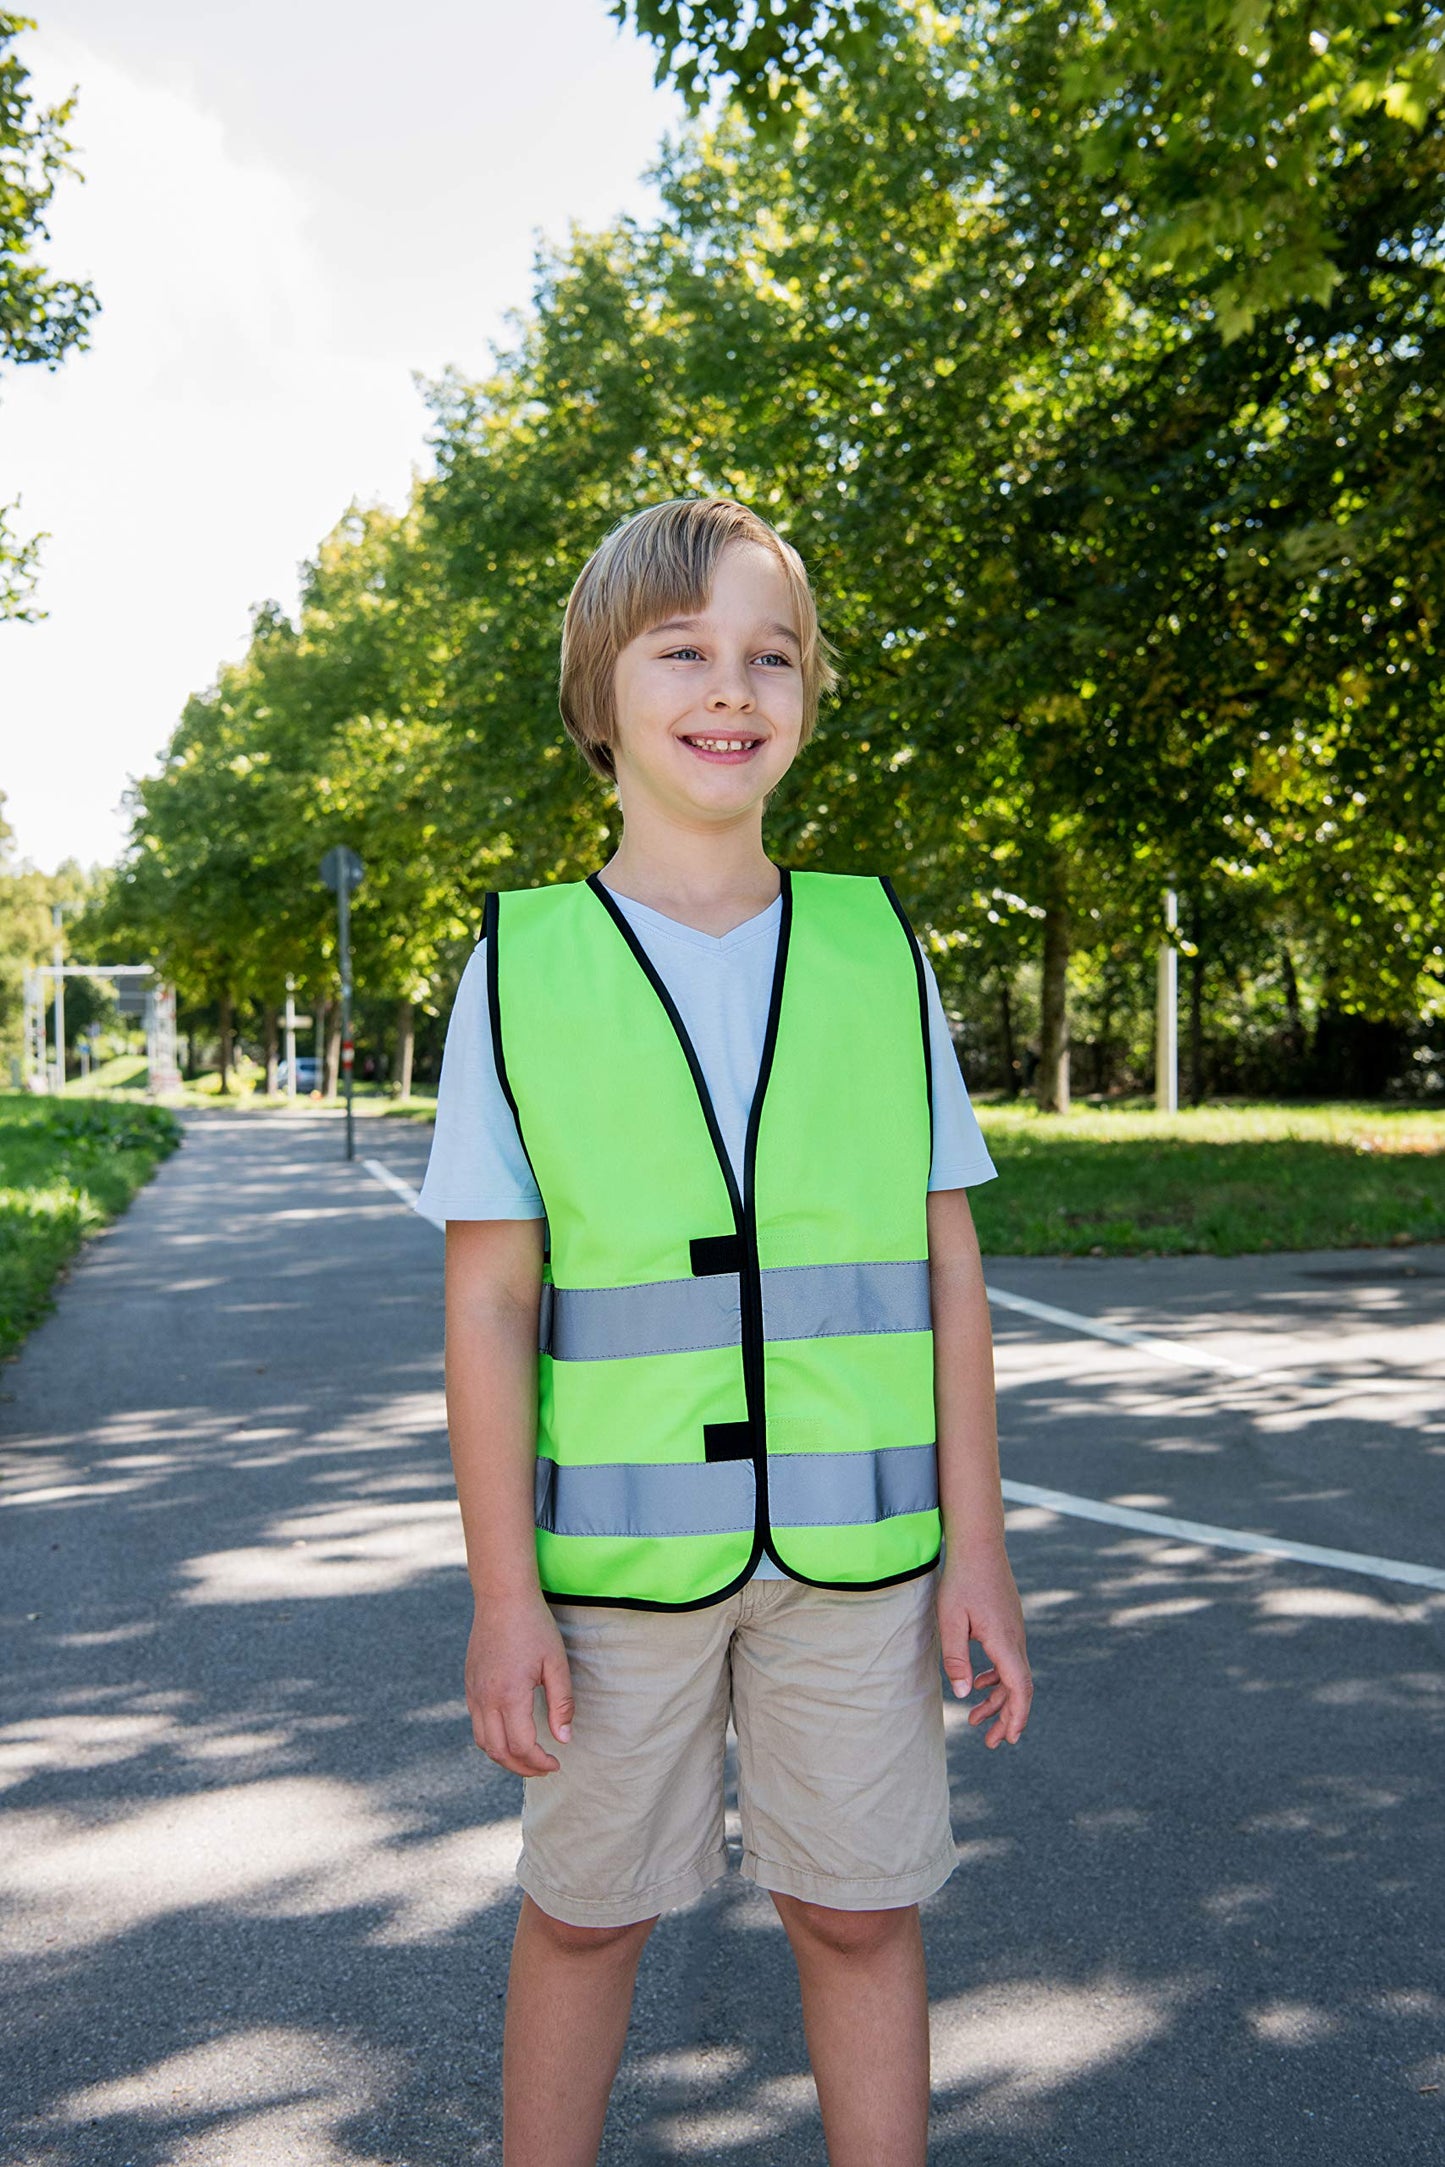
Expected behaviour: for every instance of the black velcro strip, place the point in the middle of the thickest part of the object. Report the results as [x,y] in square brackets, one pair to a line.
[715,1253]
[728,1440]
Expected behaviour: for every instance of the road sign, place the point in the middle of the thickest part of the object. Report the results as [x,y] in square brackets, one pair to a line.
[341,869]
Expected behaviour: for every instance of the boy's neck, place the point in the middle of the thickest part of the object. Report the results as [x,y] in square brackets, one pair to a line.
[711,884]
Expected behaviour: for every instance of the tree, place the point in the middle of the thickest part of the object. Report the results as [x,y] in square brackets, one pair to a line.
[43,317]
[1129,585]
[27,932]
[1221,122]
[1138,516]
[323,733]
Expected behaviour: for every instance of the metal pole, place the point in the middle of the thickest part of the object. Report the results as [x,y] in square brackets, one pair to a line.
[341,871]
[290,1037]
[1166,1031]
[343,913]
[59,999]
[35,1079]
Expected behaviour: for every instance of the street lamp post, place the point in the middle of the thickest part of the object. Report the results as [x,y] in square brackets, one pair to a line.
[1166,1033]
[59,999]
[342,870]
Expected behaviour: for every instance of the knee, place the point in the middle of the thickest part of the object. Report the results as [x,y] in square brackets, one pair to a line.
[621,1942]
[855,1934]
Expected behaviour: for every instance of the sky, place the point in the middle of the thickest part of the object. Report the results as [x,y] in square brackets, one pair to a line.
[290,208]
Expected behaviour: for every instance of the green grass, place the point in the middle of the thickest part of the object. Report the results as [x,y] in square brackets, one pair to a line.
[1226,1180]
[66,1167]
[123,1072]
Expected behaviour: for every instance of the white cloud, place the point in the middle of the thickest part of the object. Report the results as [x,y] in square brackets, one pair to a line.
[266,292]
[186,463]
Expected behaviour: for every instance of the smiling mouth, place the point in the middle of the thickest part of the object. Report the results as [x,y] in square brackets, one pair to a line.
[720,746]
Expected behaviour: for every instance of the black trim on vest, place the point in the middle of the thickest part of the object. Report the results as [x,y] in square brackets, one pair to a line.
[713,1253]
[746,1234]
[727,1440]
[490,916]
[916,957]
[752,1277]
[754,1430]
[706,1602]
[694,1065]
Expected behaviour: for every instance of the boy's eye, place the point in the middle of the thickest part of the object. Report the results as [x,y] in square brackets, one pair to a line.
[682,654]
[785,660]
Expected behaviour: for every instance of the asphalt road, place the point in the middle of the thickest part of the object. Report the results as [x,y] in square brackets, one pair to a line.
[256,1879]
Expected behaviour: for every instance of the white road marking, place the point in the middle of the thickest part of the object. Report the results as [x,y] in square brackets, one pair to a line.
[1223,1538]
[1090,1508]
[391,1181]
[1162,1350]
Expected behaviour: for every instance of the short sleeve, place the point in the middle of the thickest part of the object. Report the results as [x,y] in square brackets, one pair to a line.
[960,1155]
[477,1168]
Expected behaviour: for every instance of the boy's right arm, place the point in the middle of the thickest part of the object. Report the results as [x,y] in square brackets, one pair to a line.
[493,1296]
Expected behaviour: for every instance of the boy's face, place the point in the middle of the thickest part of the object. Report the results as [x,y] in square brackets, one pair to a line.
[710,707]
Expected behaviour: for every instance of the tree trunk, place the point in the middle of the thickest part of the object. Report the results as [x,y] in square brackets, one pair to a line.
[1053,1079]
[1006,1032]
[1196,1009]
[1295,1034]
[405,1047]
[1104,1068]
[272,1083]
[190,1052]
[226,1047]
[333,1048]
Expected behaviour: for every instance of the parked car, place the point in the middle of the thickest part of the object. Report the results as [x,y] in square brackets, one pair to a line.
[308,1073]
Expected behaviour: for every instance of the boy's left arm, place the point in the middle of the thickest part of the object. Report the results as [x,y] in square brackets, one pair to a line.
[977,1599]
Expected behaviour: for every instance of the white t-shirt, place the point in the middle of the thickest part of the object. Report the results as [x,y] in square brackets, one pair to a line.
[721,984]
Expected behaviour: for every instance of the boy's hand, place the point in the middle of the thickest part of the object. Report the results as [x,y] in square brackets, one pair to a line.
[977,1600]
[514,1648]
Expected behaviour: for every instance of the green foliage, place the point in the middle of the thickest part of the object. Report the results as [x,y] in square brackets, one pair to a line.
[66,1167]
[766,51]
[324,733]
[1126,596]
[27,935]
[43,317]
[1220,128]
[1113,449]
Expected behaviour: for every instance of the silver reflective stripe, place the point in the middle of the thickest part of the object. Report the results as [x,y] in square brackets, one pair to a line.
[851,1489]
[816,1301]
[679,1316]
[669,1316]
[698,1497]
[693,1497]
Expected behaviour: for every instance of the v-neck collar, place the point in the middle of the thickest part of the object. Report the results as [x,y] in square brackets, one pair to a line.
[742,1201]
[691,936]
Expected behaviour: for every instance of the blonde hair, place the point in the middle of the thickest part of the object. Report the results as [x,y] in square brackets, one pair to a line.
[661,563]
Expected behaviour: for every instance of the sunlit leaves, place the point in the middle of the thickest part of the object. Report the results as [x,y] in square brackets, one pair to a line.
[43,316]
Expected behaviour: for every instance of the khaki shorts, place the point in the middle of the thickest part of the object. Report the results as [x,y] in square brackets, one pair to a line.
[842,1775]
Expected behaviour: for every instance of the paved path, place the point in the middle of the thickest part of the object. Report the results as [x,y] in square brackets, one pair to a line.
[256,1879]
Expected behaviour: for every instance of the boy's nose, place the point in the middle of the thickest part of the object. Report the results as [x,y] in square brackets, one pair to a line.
[731,691]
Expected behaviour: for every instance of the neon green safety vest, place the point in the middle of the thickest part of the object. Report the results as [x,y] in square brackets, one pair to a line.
[725,1373]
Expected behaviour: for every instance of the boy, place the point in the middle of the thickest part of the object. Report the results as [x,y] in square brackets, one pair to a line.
[718,1363]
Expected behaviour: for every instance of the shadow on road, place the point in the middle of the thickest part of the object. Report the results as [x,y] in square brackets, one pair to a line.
[257,1881]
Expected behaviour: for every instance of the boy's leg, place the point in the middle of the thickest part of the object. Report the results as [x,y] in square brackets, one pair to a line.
[843,1792]
[569,1997]
[630,1824]
[865,2013]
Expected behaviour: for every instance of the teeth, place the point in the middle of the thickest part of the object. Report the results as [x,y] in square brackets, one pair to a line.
[722,744]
